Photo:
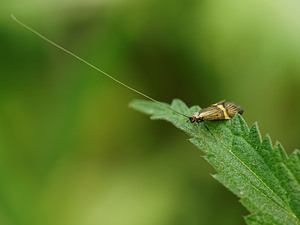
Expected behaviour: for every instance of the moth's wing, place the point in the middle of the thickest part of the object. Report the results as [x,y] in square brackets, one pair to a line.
[233,108]
[219,103]
[211,113]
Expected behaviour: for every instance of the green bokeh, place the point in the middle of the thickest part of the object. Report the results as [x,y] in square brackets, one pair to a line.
[72,152]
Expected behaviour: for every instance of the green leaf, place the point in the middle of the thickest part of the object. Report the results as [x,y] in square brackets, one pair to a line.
[260,174]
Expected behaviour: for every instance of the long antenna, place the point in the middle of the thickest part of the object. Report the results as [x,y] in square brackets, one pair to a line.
[91,65]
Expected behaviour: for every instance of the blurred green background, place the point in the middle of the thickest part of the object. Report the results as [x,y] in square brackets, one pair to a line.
[73,153]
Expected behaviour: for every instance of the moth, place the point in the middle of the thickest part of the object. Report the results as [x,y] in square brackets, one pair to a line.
[219,111]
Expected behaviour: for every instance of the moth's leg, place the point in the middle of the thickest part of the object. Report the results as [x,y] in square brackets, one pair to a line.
[206,129]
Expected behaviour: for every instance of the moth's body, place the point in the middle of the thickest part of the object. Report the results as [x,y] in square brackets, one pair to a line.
[218,111]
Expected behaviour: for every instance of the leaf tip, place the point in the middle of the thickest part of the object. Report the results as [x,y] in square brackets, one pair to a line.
[239,126]
[267,142]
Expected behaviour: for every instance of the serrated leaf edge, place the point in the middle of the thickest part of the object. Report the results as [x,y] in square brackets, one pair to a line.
[267,137]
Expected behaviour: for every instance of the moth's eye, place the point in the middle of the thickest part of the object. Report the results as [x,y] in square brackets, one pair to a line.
[192,120]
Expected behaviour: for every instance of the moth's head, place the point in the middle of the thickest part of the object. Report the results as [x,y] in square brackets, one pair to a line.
[192,119]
